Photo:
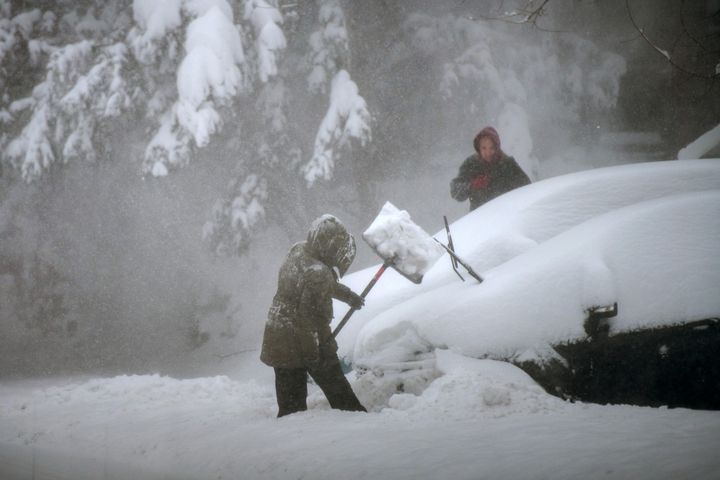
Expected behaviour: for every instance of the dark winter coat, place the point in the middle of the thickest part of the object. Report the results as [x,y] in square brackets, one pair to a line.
[482,181]
[297,332]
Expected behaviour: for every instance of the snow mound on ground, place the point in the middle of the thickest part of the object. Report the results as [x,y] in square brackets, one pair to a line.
[376,388]
[445,384]
[470,387]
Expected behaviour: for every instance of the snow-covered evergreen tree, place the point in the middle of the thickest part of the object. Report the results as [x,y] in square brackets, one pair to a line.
[272,173]
[180,67]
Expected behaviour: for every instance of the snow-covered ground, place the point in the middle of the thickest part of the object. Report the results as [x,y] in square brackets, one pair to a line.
[479,419]
[547,252]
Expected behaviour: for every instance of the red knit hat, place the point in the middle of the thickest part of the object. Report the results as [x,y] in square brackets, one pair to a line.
[490,133]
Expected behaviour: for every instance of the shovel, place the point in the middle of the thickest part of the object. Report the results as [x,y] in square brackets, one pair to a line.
[402,245]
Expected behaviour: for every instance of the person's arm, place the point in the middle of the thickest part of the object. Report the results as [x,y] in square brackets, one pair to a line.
[460,186]
[345,295]
[517,176]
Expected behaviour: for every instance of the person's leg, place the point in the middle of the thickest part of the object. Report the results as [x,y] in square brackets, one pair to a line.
[331,380]
[291,390]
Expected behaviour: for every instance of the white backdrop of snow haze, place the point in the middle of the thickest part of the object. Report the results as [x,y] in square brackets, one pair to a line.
[158,158]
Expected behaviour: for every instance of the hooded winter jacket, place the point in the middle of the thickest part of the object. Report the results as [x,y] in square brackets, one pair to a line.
[482,181]
[297,332]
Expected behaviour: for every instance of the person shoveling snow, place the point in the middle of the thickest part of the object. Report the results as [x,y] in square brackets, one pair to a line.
[297,339]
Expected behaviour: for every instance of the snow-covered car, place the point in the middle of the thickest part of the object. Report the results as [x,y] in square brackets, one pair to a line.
[603,285]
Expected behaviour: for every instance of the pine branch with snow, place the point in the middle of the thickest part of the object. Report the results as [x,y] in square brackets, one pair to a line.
[238,214]
[329,46]
[82,84]
[16,53]
[177,61]
[32,151]
[208,77]
[270,40]
[235,218]
[347,119]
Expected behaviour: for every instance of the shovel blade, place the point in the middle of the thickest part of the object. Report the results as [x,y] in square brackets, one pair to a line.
[397,239]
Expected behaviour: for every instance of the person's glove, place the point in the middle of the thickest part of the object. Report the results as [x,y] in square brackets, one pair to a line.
[481,181]
[356,301]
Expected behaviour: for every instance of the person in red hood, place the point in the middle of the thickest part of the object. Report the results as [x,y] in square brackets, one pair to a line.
[488,173]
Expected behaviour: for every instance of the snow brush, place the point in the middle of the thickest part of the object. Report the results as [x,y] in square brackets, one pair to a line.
[402,245]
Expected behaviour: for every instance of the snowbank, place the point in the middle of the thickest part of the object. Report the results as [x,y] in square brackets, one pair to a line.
[479,419]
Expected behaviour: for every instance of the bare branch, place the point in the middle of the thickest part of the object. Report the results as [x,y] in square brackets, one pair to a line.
[664,53]
[687,32]
[529,14]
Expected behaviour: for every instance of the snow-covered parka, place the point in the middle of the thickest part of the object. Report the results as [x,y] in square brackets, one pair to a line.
[481,181]
[297,332]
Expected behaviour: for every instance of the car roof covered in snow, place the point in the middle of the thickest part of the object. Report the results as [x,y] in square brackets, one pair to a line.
[643,235]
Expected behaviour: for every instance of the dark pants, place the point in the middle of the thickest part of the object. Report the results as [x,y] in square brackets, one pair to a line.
[291,387]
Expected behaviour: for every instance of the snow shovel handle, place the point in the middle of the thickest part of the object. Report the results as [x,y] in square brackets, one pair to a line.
[369,287]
